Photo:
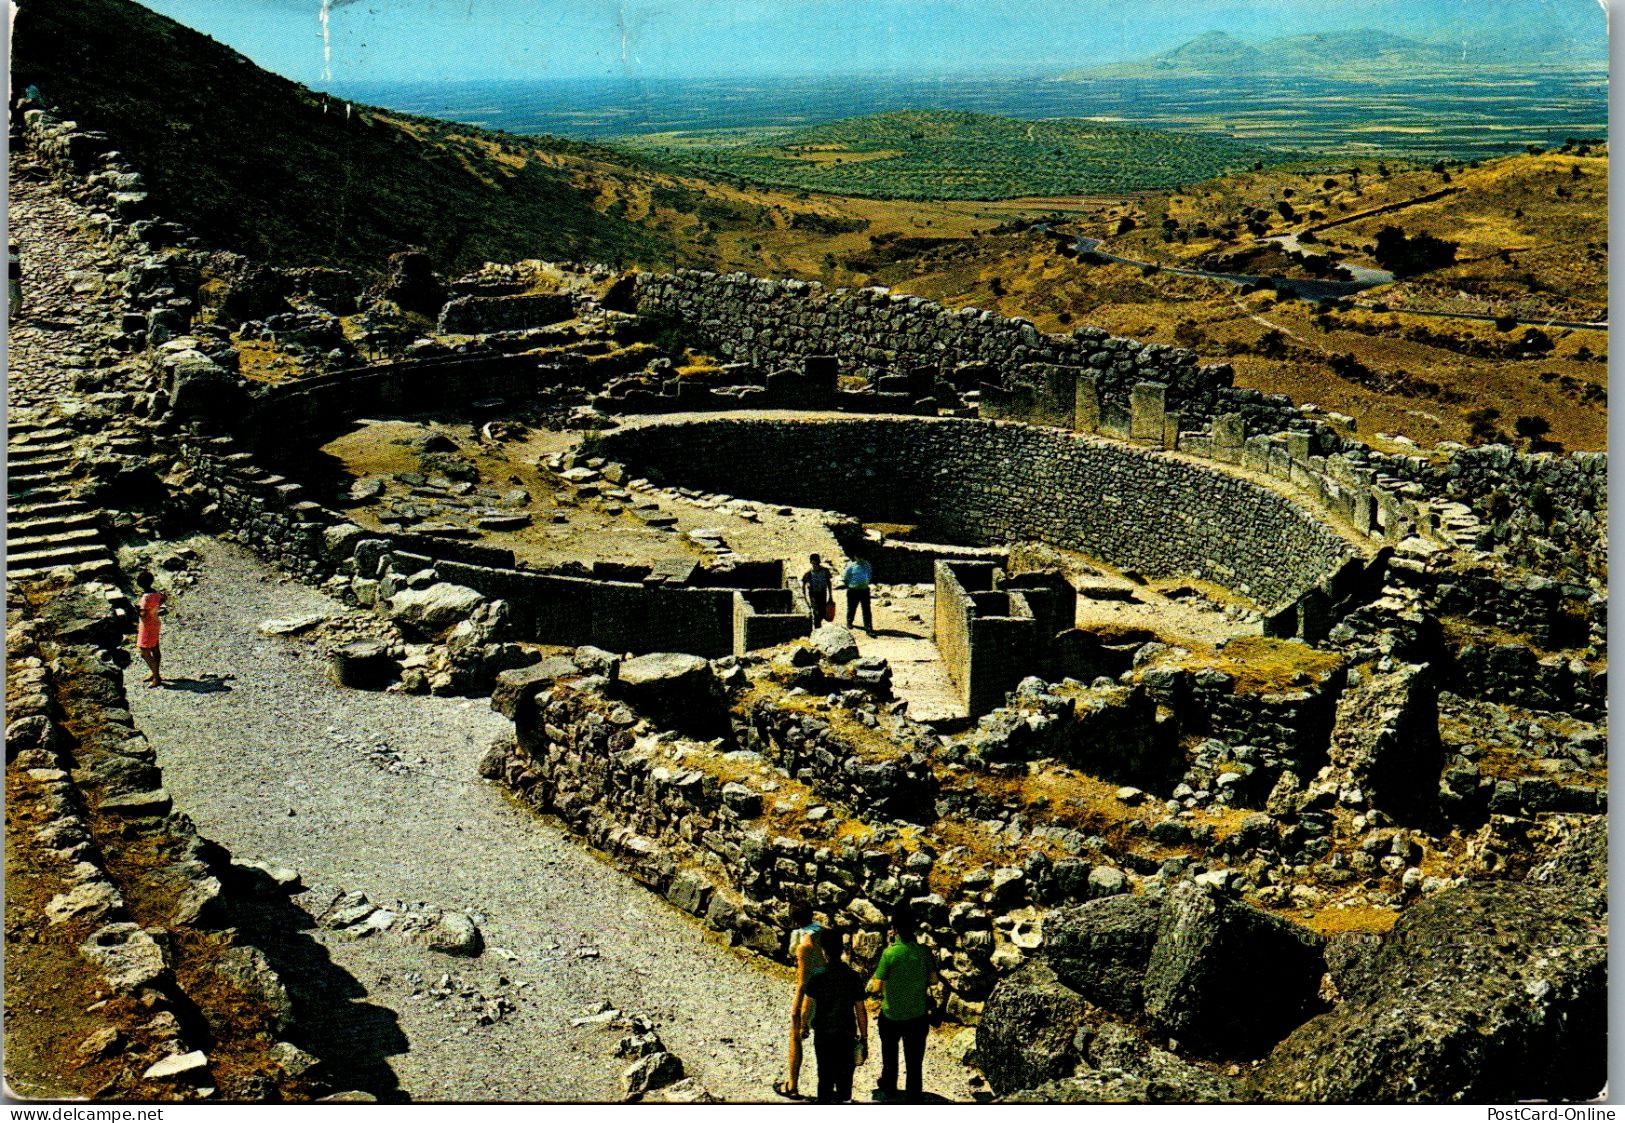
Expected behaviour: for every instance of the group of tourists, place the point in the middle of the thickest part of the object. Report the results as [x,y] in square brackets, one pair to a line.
[830,1004]
[818,585]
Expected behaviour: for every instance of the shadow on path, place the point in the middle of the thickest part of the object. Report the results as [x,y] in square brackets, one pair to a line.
[205,684]
[353,1039]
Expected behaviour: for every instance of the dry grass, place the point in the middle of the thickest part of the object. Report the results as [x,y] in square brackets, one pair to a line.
[1261,664]
[1341,921]
[261,361]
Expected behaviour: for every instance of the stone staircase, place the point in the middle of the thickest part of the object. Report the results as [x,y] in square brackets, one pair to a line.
[46,527]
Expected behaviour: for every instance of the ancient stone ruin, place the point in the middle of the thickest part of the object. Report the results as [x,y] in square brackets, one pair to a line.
[1223,757]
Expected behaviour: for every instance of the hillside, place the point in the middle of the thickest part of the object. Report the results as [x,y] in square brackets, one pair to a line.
[1531,231]
[952,155]
[253,162]
[1531,242]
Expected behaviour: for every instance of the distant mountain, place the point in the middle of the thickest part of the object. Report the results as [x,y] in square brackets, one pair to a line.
[1336,49]
[1218,53]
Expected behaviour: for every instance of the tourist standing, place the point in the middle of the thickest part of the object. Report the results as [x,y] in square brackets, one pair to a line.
[901,977]
[806,944]
[840,1021]
[855,579]
[816,585]
[147,629]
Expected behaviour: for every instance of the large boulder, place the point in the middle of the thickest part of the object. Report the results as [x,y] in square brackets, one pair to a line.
[1486,993]
[1579,869]
[1123,1068]
[411,284]
[1227,979]
[1102,949]
[200,387]
[1385,740]
[834,643]
[1028,1034]
[676,689]
[514,695]
[435,608]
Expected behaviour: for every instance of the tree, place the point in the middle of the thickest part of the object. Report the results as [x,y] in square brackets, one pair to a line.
[1531,428]
[1407,255]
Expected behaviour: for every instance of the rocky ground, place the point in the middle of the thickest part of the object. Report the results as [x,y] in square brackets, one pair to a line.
[377,794]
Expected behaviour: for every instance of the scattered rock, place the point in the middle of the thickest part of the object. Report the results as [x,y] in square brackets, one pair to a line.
[654,1071]
[453,933]
[170,1068]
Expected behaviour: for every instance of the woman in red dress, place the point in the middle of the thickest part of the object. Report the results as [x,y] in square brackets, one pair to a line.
[146,636]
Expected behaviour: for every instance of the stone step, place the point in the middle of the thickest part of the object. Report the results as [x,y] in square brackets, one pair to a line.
[56,462]
[49,525]
[48,493]
[103,568]
[18,452]
[16,544]
[20,482]
[35,509]
[37,431]
[50,557]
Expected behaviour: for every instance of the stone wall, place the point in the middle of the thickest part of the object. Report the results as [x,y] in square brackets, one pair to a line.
[619,616]
[1547,512]
[901,786]
[327,403]
[272,516]
[475,315]
[994,634]
[977,481]
[266,512]
[770,323]
[712,847]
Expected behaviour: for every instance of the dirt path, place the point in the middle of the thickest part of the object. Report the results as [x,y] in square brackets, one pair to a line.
[281,766]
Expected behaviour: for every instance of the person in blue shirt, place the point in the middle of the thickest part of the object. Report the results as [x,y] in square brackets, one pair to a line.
[855,579]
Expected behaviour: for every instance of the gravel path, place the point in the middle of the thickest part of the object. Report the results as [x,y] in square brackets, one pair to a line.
[283,767]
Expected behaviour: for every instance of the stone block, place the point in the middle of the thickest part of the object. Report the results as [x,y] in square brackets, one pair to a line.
[1147,411]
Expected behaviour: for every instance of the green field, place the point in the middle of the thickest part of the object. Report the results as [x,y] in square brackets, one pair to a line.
[913,155]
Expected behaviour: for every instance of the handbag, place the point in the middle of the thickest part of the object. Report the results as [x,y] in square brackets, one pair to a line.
[829,611]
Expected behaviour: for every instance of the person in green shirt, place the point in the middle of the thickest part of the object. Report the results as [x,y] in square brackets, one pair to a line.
[901,977]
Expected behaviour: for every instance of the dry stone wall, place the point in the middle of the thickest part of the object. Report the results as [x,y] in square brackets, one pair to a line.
[980,481]
[770,323]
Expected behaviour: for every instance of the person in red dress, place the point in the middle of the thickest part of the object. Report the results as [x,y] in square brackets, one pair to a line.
[146,636]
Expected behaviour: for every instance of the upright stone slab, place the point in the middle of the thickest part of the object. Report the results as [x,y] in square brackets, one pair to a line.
[1086,402]
[822,373]
[1001,404]
[1147,406]
[1229,434]
[1314,616]
[1054,394]
[1170,430]
[1255,454]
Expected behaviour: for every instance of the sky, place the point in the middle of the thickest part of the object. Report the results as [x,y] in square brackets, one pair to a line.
[384,40]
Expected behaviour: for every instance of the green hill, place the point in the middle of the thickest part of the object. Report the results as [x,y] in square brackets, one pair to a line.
[939,155]
[252,162]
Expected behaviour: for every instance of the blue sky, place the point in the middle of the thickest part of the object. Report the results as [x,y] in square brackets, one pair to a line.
[372,40]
